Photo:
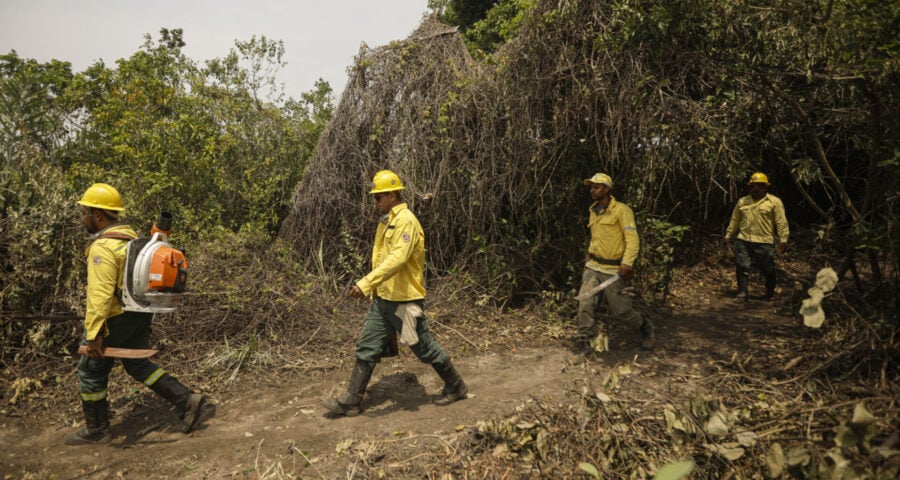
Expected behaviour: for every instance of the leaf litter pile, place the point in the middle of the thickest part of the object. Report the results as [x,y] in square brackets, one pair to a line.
[793,402]
[800,404]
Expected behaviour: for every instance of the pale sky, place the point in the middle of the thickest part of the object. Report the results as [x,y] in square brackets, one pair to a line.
[321,37]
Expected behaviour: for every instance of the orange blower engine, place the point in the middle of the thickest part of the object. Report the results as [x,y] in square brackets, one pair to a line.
[155,273]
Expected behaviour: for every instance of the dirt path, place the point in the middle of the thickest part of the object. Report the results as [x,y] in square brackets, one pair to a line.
[273,428]
[255,429]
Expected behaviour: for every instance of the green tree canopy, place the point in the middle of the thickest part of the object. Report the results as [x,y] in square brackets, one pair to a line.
[218,145]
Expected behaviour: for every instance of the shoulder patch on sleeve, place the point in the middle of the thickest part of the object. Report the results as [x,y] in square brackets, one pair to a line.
[97,260]
[405,237]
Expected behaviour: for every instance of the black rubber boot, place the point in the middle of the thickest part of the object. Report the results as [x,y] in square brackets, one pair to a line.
[350,404]
[198,410]
[96,425]
[742,282]
[648,335]
[454,387]
[579,343]
[770,287]
[580,348]
[193,409]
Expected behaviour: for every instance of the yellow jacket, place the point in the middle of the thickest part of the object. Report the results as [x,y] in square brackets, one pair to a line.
[105,267]
[398,259]
[613,236]
[757,221]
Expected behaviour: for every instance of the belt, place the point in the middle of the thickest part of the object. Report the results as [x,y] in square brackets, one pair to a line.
[419,301]
[606,261]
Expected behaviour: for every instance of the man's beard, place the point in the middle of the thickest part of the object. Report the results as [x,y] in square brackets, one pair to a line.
[92,226]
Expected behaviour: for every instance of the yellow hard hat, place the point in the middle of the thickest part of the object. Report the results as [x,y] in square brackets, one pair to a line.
[386,181]
[759,177]
[599,178]
[102,196]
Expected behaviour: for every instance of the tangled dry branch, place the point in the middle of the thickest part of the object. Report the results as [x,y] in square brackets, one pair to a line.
[493,152]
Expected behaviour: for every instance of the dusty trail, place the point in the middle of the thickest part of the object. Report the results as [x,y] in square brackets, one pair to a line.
[277,427]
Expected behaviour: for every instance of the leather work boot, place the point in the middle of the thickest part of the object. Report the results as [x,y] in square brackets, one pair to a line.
[648,335]
[193,408]
[96,425]
[454,387]
[350,404]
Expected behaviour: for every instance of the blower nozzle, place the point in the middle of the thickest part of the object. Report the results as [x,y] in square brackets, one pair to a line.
[163,224]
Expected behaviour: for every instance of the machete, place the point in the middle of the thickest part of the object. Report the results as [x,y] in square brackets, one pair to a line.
[599,288]
[115,352]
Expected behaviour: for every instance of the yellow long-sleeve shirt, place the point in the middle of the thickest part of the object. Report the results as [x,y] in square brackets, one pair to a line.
[105,268]
[758,221]
[398,259]
[613,236]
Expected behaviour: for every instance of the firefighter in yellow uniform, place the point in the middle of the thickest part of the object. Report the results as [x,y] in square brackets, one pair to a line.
[612,251]
[106,324]
[756,220]
[397,286]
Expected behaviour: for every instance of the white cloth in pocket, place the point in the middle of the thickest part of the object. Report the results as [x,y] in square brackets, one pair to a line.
[408,314]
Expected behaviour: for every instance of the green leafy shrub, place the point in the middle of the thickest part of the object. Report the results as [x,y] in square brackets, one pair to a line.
[659,251]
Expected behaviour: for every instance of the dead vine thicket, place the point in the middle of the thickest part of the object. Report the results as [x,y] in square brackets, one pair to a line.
[493,153]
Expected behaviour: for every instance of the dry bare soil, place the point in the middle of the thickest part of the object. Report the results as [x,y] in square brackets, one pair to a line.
[273,426]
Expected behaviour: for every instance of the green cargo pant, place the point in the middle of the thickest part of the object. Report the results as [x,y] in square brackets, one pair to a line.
[619,304]
[380,325]
[128,330]
[747,254]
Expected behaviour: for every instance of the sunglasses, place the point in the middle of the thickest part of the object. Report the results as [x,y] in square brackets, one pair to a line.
[378,196]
